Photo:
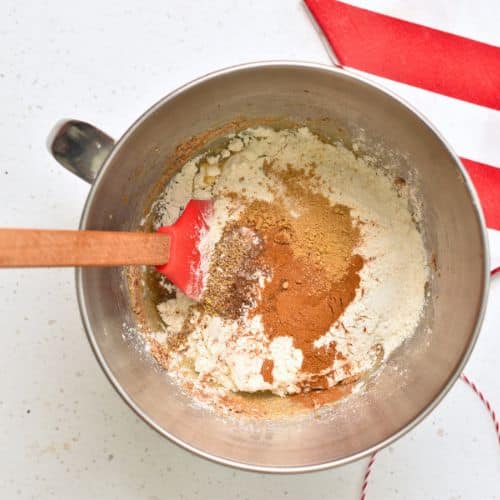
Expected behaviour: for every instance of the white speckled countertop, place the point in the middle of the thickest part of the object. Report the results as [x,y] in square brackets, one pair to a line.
[64,433]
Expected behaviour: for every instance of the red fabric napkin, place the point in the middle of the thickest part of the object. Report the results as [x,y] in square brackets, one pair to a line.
[423,57]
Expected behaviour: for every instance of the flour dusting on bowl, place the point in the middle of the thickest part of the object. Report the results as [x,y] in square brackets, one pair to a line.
[314,270]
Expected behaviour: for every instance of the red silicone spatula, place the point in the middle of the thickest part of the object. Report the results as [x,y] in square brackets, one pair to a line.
[172,249]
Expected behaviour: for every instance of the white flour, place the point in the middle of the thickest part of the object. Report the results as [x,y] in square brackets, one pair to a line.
[388,302]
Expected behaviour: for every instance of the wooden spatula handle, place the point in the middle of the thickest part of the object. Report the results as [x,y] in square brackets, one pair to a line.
[60,248]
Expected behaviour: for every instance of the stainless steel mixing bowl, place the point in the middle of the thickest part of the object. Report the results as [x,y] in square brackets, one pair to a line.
[338,105]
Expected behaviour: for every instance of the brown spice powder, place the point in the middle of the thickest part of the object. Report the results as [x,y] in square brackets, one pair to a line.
[314,273]
[232,285]
[311,261]
[308,306]
[267,370]
[325,235]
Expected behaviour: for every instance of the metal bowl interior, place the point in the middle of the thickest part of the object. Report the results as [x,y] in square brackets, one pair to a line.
[339,106]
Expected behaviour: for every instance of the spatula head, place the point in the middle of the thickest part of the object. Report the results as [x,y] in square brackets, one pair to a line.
[183,267]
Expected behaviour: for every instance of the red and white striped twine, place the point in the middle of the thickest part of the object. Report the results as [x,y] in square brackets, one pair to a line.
[367,476]
[485,402]
[478,393]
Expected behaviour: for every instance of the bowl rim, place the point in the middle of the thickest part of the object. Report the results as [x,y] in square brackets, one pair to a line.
[405,428]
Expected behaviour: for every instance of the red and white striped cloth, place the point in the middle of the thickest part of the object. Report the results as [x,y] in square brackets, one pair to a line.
[427,58]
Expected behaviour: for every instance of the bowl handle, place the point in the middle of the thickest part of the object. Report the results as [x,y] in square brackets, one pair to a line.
[80,147]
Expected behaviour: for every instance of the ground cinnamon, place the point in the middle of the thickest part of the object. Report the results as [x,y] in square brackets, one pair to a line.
[311,301]
[312,271]
[267,370]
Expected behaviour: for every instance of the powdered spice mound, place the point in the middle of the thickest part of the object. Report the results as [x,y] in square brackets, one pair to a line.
[325,235]
[231,286]
[311,269]
[302,301]
[307,308]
